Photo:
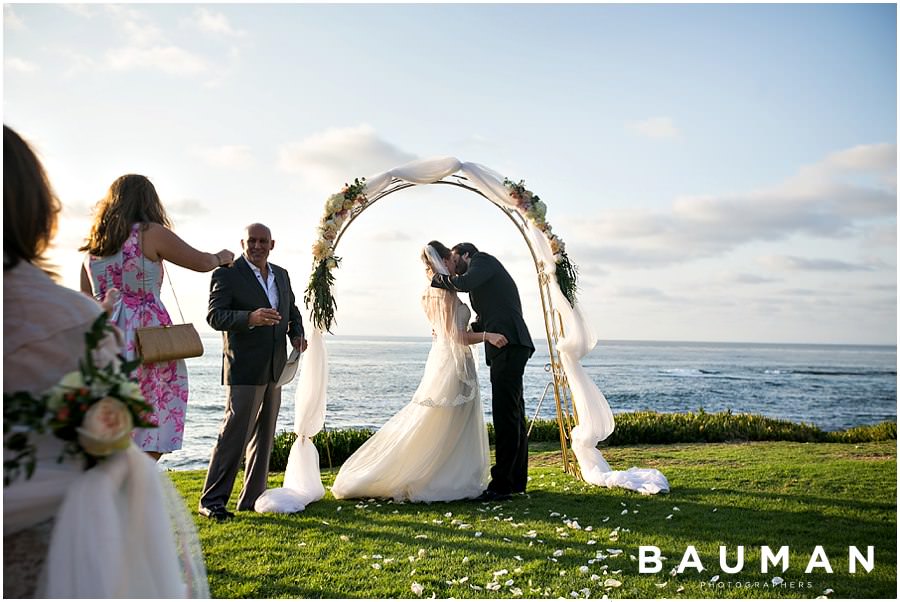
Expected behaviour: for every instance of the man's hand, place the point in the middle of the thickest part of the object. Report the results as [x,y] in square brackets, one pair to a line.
[264,316]
[299,343]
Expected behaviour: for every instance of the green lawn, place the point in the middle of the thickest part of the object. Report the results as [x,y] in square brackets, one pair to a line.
[560,540]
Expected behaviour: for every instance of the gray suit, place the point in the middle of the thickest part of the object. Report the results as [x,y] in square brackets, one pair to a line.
[253,358]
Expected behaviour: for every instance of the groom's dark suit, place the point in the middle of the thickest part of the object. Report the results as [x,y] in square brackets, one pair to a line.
[253,358]
[495,299]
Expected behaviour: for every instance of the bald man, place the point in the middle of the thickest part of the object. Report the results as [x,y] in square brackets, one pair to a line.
[252,303]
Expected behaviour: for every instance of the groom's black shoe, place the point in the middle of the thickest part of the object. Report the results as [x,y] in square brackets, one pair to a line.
[217,513]
[489,495]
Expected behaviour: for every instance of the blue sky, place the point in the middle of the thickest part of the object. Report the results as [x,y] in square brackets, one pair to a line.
[719,172]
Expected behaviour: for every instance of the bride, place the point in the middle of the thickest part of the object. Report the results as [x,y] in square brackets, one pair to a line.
[435,448]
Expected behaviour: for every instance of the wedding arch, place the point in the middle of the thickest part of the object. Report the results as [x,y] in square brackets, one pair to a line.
[583,414]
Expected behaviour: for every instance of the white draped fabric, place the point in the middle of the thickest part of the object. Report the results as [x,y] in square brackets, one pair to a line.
[596,421]
[111,537]
[302,477]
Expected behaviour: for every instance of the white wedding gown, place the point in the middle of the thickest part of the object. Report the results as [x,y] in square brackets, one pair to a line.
[435,448]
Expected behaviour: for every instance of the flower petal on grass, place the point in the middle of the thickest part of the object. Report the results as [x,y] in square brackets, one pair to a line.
[612,583]
[417,588]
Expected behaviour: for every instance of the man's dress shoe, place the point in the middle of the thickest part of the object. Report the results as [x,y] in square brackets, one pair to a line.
[218,513]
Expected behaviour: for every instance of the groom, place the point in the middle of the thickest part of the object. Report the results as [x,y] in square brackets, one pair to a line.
[496,302]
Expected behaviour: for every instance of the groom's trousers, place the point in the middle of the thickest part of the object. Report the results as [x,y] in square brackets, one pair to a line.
[510,471]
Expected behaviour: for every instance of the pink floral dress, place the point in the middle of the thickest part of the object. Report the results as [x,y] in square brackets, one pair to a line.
[164,384]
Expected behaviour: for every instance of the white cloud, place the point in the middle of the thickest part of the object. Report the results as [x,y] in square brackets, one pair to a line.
[794,263]
[11,20]
[389,236]
[187,208]
[328,159]
[168,59]
[654,127]
[213,22]
[13,63]
[231,156]
[82,10]
[135,26]
[837,198]
[745,278]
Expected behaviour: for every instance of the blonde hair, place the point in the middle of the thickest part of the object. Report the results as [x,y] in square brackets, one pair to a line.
[130,199]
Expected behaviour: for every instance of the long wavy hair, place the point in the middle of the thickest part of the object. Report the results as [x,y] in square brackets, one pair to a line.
[131,199]
[30,207]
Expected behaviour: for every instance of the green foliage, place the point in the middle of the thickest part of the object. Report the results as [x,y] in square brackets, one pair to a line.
[632,428]
[334,446]
[318,294]
[883,431]
[567,277]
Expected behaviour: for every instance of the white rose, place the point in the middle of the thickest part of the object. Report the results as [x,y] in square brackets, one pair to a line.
[70,382]
[106,428]
[131,390]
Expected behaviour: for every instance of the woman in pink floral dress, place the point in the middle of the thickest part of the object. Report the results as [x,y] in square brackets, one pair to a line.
[129,240]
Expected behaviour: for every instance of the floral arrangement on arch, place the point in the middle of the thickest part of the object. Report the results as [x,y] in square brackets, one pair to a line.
[93,409]
[340,208]
[534,209]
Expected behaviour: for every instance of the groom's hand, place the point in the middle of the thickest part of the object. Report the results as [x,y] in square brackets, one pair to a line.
[442,281]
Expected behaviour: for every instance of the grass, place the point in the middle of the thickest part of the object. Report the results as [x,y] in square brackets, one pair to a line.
[556,540]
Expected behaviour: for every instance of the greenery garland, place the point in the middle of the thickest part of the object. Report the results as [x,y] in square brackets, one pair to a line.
[534,210]
[343,206]
[340,208]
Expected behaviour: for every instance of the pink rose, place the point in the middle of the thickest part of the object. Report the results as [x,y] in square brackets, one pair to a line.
[106,428]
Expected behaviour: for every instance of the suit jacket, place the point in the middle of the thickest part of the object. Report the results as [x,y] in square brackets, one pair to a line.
[251,356]
[495,299]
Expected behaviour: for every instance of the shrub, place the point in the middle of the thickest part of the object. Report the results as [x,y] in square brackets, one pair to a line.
[631,428]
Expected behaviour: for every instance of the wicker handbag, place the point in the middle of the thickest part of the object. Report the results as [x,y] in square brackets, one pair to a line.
[166,343]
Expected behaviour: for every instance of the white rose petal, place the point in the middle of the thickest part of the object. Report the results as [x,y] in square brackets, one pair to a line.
[777,581]
[417,588]
[612,583]
[715,578]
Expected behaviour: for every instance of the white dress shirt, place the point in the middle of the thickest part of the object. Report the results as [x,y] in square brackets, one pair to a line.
[268,284]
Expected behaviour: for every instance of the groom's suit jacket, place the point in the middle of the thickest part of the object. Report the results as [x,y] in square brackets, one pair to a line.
[251,356]
[495,299]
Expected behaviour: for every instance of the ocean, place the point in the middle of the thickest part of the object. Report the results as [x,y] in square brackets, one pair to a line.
[831,386]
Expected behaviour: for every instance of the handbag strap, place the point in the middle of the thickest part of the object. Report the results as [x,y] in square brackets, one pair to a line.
[165,275]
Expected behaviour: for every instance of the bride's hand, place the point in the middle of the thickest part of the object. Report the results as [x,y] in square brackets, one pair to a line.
[496,339]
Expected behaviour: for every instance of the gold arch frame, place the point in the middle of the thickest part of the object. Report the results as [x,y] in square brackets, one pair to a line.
[566,416]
